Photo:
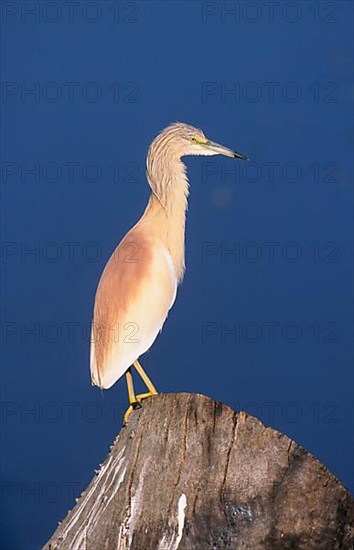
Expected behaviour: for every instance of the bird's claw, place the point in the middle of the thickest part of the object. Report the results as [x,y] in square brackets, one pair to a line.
[136,405]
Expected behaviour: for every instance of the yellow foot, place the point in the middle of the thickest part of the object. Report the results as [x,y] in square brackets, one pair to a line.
[145,395]
[130,409]
[136,405]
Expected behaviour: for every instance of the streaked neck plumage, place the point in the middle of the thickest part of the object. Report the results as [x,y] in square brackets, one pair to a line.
[167,178]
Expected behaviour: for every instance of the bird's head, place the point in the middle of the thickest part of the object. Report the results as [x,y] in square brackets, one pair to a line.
[182,139]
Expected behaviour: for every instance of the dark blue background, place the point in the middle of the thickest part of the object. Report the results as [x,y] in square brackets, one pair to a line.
[173,61]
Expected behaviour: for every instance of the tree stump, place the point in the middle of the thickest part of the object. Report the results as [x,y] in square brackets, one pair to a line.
[190,473]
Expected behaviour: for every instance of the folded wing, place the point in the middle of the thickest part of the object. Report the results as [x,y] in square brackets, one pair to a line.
[134,295]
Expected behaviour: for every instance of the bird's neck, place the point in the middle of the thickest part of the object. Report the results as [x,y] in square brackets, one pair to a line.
[167,206]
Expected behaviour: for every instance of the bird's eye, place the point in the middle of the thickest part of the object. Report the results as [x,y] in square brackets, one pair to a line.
[194,139]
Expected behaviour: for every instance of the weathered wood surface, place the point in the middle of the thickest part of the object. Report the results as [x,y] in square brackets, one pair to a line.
[190,473]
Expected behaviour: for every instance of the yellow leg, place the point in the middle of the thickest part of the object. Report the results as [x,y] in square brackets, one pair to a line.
[130,386]
[133,401]
[150,386]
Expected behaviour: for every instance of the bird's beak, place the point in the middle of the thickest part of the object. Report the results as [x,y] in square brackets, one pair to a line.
[221,150]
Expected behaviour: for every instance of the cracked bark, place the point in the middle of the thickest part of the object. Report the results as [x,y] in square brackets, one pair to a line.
[246,487]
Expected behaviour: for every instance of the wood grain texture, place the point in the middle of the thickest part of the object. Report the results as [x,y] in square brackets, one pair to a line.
[190,473]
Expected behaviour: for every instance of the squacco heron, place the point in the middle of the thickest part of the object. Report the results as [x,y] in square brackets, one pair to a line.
[139,283]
